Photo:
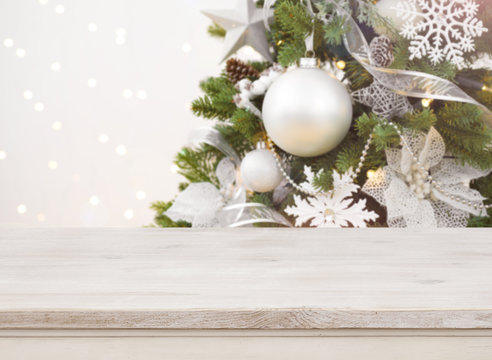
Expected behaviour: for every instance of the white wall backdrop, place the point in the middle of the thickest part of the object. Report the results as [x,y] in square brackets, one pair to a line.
[94,103]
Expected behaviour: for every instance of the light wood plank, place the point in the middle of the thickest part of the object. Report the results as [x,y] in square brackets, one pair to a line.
[246,278]
[248,348]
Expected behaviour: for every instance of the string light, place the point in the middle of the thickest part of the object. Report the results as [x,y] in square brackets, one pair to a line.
[57,125]
[121,150]
[20,53]
[141,94]
[341,64]
[141,195]
[39,107]
[92,27]
[186,48]
[129,214]
[427,102]
[42,2]
[371,173]
[3,155]
[56,66]
[28,94]
[103,138]
[52,165]
[120,36]
[92,82]
[59,9]
[22,209]
[94,200]
[486,88]
[8,43]
[127,93]
[174,169]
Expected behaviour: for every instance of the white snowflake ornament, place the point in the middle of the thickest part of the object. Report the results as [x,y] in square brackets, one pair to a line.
[411,199]
[337,209]
[382,101]
[440,29]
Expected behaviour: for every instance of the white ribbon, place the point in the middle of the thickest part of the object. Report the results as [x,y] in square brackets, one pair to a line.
[403,82]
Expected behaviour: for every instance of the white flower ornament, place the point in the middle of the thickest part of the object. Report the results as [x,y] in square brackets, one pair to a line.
[411,199]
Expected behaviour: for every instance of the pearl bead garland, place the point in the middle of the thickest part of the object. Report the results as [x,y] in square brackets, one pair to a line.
[419,178]
[299,188]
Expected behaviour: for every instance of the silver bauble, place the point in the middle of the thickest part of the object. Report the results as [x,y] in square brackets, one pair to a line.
[259,171]
[306,111]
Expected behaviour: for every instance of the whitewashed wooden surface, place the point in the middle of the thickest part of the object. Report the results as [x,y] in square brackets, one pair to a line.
[245,279]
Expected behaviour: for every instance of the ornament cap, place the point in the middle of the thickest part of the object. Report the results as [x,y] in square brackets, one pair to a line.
[308,63]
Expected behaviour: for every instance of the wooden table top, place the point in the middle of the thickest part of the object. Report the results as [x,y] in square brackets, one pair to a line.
[245,279]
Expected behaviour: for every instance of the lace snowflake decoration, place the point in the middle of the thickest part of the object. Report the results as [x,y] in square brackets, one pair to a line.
[383,102]
[411,199]
[331,210]
[440,29]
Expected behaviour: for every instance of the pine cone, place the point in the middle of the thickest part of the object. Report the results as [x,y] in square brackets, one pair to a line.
[382,51]
[238,70]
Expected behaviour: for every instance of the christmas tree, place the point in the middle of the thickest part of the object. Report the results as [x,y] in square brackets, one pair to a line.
[361,115]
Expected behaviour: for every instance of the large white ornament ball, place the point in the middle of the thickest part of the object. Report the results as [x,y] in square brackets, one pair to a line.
[259,171]
[307,112]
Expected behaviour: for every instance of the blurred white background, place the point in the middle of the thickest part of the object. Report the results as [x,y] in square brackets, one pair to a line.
[94,103]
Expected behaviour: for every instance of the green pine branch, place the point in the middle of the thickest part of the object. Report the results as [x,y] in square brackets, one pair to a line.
[465,134]
[161,220]
[215,30]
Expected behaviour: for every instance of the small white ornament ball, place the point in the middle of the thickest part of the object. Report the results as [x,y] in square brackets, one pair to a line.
[306,111]
[259,171]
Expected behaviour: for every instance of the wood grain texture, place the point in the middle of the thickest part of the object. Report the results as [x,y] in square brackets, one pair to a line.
[245,279]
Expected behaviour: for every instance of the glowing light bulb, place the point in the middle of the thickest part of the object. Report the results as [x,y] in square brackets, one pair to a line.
[94,200]
[141,195]
[186,48]
[20,53]
[371,174]
[57,125]
[56,66]
[92,27]
[28,94]
[92,82]
[129,214]
[59,9]
[21,209]
[3,155]
[121,150]
[8,43]
[127,93]
[39,107]
[427,102]
[52,165]
[141,94]
[42,2]
[174,169]
[341,65]
[103,138]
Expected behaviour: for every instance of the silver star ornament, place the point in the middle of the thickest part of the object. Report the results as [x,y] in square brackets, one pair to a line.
[244,25]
